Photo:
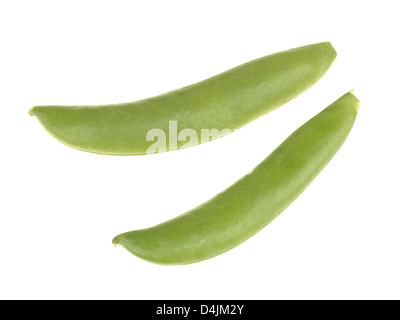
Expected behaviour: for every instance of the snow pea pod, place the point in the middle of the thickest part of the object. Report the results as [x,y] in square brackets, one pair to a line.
[191,115]
[247,206]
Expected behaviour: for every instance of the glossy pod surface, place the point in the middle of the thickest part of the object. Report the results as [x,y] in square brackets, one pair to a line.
[255,200]
[220,104]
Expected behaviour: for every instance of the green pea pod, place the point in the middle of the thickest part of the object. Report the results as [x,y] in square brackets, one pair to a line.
[193,114]
[254,201]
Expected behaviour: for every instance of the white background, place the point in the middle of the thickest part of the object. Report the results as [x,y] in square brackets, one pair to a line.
[60,208]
